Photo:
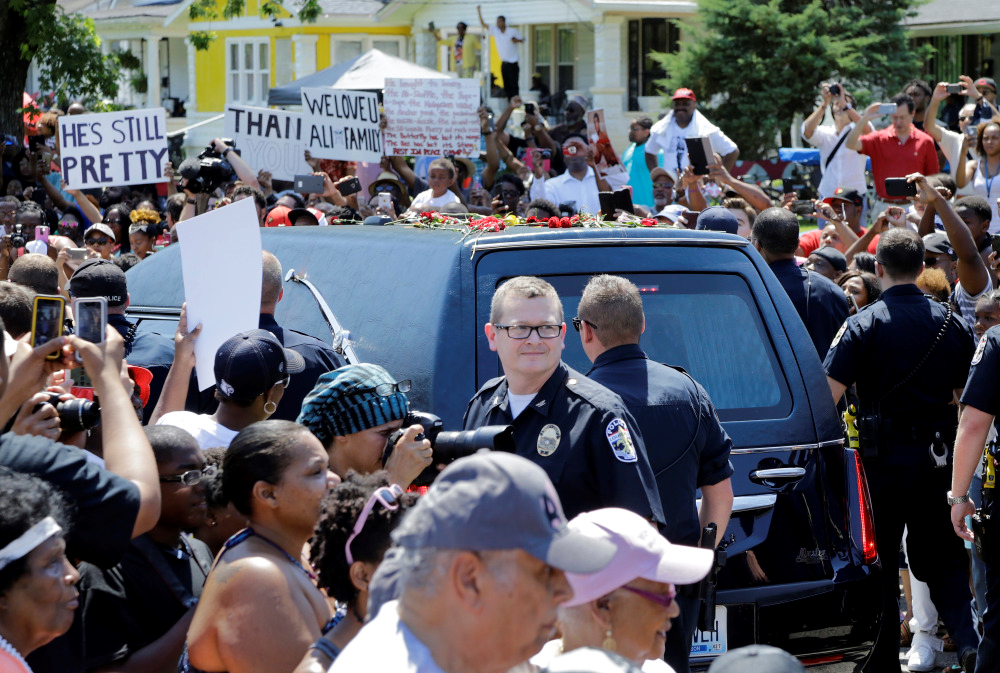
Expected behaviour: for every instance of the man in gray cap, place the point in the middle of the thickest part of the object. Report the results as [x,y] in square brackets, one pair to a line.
[481,571]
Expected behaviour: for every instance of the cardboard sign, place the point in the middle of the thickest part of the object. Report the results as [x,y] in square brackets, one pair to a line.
[222,291]
[342,124]
[270,140]
[431,117]
[113,148]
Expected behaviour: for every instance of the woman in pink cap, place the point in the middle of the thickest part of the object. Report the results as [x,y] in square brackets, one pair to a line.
[627,607]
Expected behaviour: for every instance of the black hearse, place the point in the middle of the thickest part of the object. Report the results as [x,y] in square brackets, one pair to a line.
[802,570]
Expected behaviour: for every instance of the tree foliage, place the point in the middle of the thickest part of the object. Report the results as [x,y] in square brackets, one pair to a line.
[208,10]
[754,63]
[65,48]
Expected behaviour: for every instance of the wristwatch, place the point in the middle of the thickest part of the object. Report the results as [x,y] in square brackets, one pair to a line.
[952,500]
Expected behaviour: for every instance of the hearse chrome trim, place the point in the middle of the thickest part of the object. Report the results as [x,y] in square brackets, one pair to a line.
[791,447]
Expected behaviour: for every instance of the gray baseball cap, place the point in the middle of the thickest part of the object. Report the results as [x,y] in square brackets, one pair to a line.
[496,501]
[756,659]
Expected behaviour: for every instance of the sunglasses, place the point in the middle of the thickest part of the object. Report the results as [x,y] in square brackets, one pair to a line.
[97,241]
[578,322]
[664,600]
[388,497]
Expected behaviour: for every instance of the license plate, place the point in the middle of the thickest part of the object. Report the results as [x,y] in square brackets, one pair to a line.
[711,643]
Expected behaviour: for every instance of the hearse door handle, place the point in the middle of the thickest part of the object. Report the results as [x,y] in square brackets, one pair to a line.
[778,475]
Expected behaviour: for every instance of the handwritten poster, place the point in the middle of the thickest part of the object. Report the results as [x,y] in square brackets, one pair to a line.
[222,291]
[113,148]
[342,124]
[431,117]
[270,140]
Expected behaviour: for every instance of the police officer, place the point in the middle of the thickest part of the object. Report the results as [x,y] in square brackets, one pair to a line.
[907,355]
[981,398]
[817,299]
[692,448]
[577,430]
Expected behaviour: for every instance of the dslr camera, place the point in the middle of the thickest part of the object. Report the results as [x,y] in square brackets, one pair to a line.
[450,446]
[75,415]
[208,171]
[18,238]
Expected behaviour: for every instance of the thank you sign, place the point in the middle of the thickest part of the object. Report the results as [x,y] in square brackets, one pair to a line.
[269,140]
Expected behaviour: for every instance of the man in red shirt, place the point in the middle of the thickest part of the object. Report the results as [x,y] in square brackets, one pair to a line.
[896,151]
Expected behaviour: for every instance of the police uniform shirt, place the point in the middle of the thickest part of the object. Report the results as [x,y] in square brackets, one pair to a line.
[584,438]
[982,390]
[878,347]
[687,446]
[319,359]
[817,299]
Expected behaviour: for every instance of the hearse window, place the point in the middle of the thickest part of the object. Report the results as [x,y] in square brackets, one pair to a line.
[708,324]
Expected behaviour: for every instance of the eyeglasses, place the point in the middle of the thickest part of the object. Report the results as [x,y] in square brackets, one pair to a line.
[524,331]
[664,600]
[69,223]
[387,389]
[389,497]
[97,241]
[578,321]
[964,118]
[191,477]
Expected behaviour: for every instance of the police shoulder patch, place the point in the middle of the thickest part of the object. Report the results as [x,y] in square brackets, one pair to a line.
[980,348]
[840,333]
[620,440]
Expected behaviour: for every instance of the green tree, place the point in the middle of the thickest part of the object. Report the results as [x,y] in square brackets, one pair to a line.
[754,63]
[308,12]
[65,48]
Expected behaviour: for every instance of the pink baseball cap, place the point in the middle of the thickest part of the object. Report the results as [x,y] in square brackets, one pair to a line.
[641,552]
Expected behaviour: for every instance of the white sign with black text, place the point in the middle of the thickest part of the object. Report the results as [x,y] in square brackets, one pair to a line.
[269,140]
[113,148]
[342,124]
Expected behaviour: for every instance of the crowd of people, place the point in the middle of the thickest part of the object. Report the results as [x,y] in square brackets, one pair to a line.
[271,523]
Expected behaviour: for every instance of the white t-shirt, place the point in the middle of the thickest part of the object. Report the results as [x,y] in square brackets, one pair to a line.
[206,431]
[385,644]
[425,201]
[565,188]
[666,135]
[553,649]
[846,169]
[518,403]
[504,41]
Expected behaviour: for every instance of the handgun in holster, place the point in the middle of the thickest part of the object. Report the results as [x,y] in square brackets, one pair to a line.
[706,614]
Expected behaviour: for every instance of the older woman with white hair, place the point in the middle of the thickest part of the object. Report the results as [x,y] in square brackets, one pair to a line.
[37,582]
[627,607]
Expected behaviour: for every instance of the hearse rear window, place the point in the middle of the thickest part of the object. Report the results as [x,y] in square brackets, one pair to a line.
[708,324]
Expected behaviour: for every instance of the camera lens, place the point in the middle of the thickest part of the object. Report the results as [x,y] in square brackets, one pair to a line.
[78,415]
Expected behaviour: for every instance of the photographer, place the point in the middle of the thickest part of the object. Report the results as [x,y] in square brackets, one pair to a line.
[842,167]
[243,172]
[353,411]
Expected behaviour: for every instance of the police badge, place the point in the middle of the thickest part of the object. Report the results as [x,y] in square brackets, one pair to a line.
[548,440]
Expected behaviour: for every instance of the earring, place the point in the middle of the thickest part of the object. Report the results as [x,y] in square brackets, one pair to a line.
[274,407]
[609,644]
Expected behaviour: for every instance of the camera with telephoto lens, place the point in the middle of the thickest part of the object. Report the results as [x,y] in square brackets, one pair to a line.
[17,238]
[207,172]
[450,446]
[75,415]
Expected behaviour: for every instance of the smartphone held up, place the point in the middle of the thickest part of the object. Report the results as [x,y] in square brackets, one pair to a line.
[47,321]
